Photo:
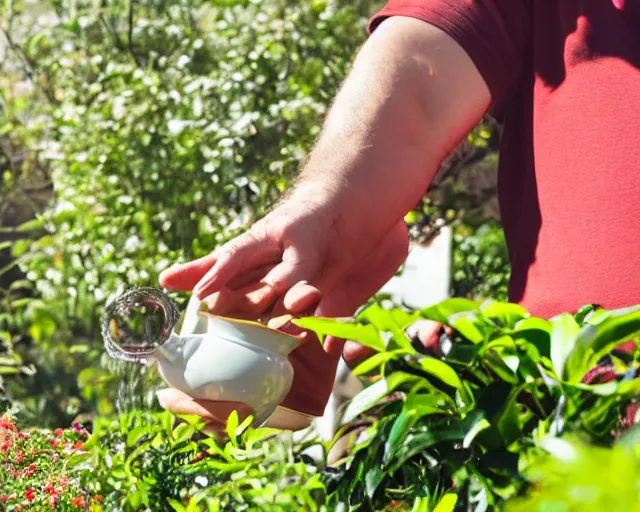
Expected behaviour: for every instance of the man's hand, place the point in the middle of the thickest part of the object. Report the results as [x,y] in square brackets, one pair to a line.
[282,269]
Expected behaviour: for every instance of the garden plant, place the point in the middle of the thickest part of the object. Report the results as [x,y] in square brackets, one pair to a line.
[134,134]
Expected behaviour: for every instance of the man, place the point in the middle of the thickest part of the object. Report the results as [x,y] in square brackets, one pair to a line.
[561,77]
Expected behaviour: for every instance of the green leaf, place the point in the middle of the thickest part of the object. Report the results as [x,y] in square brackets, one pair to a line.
[442,371]
[371,395]
[366,335]
[232,427]
[383,320]
[507,314]
[176,505]
[376,361]
[443,310]
[183,432]
[595,341]
[479,426]
[563,339]
[447,503]
[135,435]
[415,408]
[421,441]
[134,455]
[465,324]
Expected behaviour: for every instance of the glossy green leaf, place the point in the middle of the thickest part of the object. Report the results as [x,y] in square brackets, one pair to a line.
[442,311]
[366,335]
[595,341]
[376,361]
[506,313]
[385,321]
[447,503]
[372,394]
[563,339]
[135,435]
[414,409]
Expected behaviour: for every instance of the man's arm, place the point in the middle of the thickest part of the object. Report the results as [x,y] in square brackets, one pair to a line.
[412,94]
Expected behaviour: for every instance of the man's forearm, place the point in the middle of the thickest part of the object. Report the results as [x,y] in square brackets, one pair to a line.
[412,94]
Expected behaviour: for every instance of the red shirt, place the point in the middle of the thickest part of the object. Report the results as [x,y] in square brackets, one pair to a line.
[565,87]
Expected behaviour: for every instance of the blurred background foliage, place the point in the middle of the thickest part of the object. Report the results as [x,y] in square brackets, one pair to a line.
[135,134]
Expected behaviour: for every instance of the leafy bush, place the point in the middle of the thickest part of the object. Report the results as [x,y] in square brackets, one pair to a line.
[166,128]
[466,418]
[144,461]
[496,416]
[34,471]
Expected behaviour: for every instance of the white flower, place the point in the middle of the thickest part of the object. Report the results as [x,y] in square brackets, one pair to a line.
[182,61]
[98,294]
[118,110]
[132,243]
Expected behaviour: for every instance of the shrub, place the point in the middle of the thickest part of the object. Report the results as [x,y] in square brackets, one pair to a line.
[467,417]
[506,411]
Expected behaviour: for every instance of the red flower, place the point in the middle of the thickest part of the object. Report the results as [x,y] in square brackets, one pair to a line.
[63,481]
[77,428]
[53,500]
[55,457]
[79,445]
[15,474]
[19,457]
[30,494]
[49,489]
[78,502]
[394,504]
[99,498]
[33,453]
[55,443]
[58,432]
[20,508]
[4,498]
[4,447]
[5,424]
[32,467]
[24,435]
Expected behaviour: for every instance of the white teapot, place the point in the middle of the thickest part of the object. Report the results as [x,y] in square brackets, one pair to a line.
[212,358]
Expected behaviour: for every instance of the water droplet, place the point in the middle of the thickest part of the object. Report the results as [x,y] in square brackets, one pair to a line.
[137,323]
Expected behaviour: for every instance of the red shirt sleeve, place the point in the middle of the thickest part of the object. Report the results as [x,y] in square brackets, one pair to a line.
[494,33]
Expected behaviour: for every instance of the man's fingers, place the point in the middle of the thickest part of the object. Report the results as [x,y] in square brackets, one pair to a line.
[296,266]
[239,256]
[301,297]
[183,277]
